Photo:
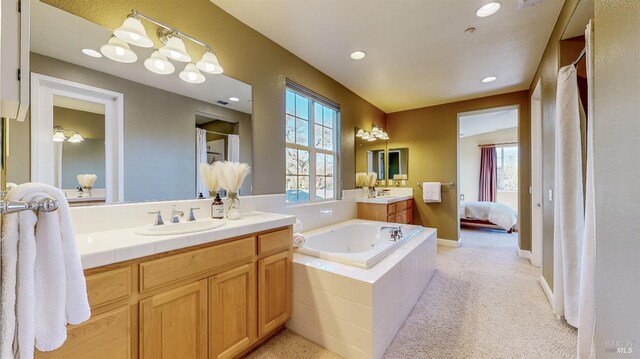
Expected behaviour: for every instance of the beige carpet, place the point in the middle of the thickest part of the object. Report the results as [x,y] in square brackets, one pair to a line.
[483,302]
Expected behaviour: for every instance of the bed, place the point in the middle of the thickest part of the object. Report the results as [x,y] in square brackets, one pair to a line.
[488,215]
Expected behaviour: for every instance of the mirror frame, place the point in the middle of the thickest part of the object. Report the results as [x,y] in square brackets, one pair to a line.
[43,89]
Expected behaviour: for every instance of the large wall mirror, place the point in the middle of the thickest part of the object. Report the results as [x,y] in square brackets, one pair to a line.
[140,133]
[371,156]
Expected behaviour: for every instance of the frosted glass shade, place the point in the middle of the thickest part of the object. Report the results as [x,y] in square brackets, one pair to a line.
[159,64]
[209,64]
[118,50]
[133,32]
[174,49]
[192,75]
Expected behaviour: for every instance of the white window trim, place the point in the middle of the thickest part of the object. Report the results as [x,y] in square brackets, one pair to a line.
[337,178]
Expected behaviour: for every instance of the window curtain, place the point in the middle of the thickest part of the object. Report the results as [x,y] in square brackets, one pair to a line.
[488,174]
[201,157]
[233,148]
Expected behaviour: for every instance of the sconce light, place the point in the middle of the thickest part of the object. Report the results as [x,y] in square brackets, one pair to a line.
[132,32]
[376,133]
[58,136]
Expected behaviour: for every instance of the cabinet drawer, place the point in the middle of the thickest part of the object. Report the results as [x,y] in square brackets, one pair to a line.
[109,287]
[275,240]
[171,269]
[401,206]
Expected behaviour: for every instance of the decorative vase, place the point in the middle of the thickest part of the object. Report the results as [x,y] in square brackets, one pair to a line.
[86,192]
[233,207]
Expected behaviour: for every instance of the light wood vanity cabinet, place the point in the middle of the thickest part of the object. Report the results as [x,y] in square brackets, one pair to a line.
[398,212]
[216,300]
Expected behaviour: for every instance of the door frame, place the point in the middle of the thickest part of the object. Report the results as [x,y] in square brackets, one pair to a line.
[537,218]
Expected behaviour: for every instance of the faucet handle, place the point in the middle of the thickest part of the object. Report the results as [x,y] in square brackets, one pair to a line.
[159,220]
[192,217]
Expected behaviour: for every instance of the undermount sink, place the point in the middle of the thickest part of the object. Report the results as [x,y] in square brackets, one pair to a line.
[181,228]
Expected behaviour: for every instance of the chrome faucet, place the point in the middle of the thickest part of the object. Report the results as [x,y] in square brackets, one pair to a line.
[395,233]
[159,220]
[192,217]
[175,215]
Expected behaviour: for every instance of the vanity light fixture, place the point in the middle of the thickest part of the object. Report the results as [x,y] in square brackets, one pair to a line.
[159,64]
[58,135]
[175,49]
[191,74]
[489,79]
[118,50]
[92,53]
[76,138]
[375,134]
[132,31]
[488,9]
[234,99]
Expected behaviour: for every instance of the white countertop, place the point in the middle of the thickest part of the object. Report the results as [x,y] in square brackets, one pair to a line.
[107,247]
[384,199]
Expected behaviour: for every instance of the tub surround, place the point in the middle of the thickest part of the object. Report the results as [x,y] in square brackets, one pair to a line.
[355,312]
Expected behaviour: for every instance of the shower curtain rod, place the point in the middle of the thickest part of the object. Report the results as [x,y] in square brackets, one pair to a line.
[582,53]
[217,133]
[498,144]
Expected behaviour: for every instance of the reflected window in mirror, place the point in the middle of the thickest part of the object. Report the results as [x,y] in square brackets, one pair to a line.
[376,163]
[398,162]
[311,150]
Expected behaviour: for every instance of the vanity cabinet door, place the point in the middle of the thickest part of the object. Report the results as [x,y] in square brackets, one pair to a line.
[173,324]
[274,291]
[232,311]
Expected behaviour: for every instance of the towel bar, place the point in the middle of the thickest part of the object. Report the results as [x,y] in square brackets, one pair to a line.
[448,184]
[45,205]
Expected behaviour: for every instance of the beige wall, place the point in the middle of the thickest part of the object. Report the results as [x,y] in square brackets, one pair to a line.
[470,165]
[547,72]
[431,135]
[252,58]
[617,169]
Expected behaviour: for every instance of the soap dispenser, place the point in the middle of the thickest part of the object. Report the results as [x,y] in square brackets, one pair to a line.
[217,208]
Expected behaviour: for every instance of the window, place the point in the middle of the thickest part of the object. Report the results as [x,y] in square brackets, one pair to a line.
[507,168]
[311,150]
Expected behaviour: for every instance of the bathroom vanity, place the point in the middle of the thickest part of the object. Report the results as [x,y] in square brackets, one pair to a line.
[213,300]
[386,209]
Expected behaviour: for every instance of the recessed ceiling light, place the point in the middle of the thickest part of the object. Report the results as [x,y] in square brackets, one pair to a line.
[234,99]
[489,79]
[358,55]
[92,53]
[488,9]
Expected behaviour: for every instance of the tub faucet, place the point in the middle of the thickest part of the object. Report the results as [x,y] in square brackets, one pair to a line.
[395,232]
[175,215]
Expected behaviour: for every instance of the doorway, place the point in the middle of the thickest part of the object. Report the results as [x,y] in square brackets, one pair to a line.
[488,169]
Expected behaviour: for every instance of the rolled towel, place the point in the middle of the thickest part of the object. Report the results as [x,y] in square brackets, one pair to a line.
[298,240]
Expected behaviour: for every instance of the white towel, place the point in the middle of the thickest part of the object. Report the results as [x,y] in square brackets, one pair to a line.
[432,192]
[47,277]
[298,240]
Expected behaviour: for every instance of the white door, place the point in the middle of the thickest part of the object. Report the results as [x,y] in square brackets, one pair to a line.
[536,176]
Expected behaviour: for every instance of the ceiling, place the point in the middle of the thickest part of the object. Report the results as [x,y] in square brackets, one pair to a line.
[579,20]
[476,124]
[417,51]
[61,35]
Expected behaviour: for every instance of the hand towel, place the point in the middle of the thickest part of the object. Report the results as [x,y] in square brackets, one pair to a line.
[47,276]
[298,240]
[432,192]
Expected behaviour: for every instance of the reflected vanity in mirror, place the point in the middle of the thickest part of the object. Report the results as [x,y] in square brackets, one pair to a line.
[134,129]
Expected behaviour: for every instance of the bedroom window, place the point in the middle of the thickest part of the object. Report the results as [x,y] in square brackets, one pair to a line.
[312,125]
[507,158]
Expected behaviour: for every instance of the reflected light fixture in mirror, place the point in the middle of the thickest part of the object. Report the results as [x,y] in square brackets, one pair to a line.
[376,133]
[132,31]
[76,138]
[174,49]
[209,64]
[191,74]
[118,50]
[58,135]
[159,64]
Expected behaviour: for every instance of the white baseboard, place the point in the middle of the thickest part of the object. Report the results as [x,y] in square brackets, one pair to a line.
[448,242]
[524,254]
[547,290]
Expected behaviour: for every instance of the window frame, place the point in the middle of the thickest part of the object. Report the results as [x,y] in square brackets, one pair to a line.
[314,99]
[500,165]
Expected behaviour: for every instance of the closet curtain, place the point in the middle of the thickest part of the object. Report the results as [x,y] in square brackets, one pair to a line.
[201,157]
[233,148]
[587,309]
[568,219]
[488,174]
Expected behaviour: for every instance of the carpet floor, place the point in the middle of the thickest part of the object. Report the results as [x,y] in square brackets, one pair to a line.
[483,302]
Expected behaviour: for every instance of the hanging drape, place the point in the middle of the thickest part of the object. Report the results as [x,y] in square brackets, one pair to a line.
[568,219]
[201,157]
[488,174]
[233,148]
[587,307]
